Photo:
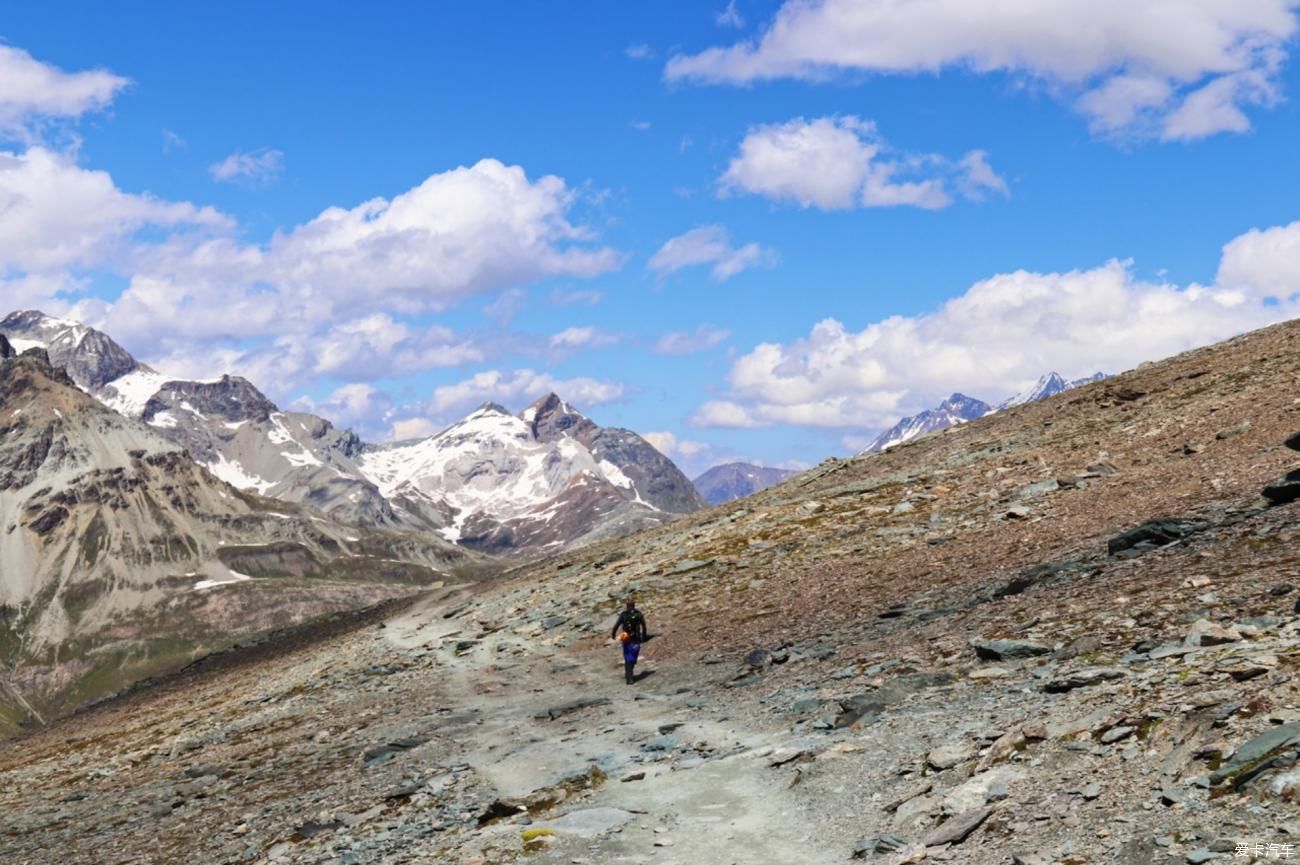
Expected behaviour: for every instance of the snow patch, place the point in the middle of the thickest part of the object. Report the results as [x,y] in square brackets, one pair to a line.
[234,474]
[128,394]
[235,577]
[164,419]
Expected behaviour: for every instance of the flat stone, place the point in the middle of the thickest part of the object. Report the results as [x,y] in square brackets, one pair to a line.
[587,823]
[949,755]
[1004,650]
[1206,633]
[1114,734]
[1257,751]
[957,829]
[1083,679]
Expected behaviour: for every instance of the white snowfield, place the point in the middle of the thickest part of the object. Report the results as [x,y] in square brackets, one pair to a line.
[130,393]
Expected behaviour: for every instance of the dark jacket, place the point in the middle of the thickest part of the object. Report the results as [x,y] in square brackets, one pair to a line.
[633,622]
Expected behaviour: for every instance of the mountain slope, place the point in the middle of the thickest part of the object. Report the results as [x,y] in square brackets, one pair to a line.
[120,555]
[543,479]
[967,631]
[731,481]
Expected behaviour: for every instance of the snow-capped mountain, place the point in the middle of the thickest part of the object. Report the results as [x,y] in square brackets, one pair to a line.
[959,409]
[1049,385]
[120,555]
[543,479]
[732,481]
[956,409]
[225,424]
[546,477]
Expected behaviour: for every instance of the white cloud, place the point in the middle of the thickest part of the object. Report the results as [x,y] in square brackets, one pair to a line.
[32,92]
[670,446]
[710,244]
[639,51]
[519,387]
[414,428]
[1004,332]
[835,163]
[1173,69]
[730,17]
[54,214]
[1262,263]
[258,168]
[332,298]
[640,125]
[582,337]
[702,338]
[377,346]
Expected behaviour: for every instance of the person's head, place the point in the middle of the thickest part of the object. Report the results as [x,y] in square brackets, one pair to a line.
[631,603]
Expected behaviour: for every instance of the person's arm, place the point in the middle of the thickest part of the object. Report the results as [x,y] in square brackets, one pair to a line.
[644,629]
[617,622]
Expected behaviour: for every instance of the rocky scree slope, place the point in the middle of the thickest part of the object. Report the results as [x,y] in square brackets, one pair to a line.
[120,556]
[1064,633]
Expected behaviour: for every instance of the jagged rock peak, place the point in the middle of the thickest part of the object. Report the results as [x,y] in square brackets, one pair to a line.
[6,350]
[551,417]
[231,397]
[91,358]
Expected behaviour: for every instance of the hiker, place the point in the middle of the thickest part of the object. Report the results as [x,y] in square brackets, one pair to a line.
[630,628]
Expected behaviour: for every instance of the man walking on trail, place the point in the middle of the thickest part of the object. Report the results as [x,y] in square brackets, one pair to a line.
[630,628]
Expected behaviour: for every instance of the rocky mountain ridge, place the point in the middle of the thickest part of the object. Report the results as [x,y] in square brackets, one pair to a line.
[121,556]
[603,481]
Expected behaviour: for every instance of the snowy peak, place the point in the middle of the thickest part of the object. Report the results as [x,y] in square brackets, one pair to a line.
[90,357]
[960,408]
[956,409]
[1049,385]
[546,477]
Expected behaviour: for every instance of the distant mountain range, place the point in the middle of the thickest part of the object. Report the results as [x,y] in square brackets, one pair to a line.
[493,482]
[959,408]
[731,481]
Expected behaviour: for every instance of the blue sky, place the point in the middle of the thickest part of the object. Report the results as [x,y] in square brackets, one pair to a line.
[874,204]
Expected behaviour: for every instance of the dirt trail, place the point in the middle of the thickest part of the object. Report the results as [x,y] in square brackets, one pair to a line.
[706,791]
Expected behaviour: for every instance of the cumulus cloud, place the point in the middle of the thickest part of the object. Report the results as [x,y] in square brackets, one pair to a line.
[258,168]
[1001,334]
[639,51]
[835,163]
[703,338]
[710,244]
[338,297]
[54,214]
[32,92]
[671,446]
[517,388]
[1173,70]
